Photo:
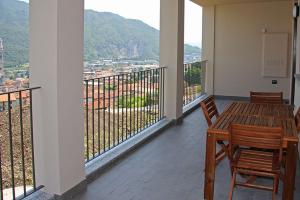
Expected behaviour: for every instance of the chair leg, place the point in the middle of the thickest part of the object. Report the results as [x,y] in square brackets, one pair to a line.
[232,184]
[222,153]
[276,185]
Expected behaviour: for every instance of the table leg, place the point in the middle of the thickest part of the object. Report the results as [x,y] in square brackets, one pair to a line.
[290,171]
[210,163]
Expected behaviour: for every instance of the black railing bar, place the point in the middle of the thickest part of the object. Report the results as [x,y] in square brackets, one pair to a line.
[152,89]
[138,103]
[122,111]
[150,95]
[114,118]
[104,105]
[21,90]
[159,91]
[87,119]
[149,107]
[134,100]
[99,141]
[22,142]
[118,102]
[145,96]
[11,146]
[109,145]
[130,107]
[93,116]
[141,111]
[126,117]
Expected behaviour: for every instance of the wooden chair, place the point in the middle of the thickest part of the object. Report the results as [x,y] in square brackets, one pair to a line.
[266,97]
[255,162]
[210,111]
[297,120]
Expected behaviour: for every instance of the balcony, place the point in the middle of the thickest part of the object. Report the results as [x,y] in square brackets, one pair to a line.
[129,136]
[171,166]
[116,108]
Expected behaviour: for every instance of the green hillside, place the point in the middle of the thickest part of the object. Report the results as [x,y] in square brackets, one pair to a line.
[14,31]
[106,35]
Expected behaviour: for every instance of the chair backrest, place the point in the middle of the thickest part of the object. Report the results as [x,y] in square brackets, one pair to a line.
[209,109]
[266,97]
[250,136]
[297,119]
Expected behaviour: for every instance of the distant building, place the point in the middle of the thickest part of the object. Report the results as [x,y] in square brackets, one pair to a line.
[1,63]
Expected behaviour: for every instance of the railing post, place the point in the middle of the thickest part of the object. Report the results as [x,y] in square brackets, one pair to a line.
[56,64]
[203,76]
[171,54]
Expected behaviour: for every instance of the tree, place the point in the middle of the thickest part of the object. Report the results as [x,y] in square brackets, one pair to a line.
[193,74]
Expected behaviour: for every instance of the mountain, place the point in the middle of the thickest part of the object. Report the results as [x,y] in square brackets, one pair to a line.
[14,31]
[106,35]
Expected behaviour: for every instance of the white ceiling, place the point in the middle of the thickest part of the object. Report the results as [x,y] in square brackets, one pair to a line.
[219,2]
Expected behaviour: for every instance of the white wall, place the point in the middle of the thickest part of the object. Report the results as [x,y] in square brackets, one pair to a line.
[238,46]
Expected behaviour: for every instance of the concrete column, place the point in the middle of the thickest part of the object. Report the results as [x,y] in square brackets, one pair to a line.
[172,54]
[56,64]
[208,46]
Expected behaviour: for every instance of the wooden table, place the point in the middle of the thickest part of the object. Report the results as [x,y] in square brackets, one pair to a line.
[253,114]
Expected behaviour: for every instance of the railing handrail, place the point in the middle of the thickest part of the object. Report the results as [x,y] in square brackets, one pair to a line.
[20,90]
[120,74]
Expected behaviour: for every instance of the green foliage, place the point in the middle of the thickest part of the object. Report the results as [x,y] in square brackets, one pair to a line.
[134,102]
[110,87]
[106,35]
[193,75]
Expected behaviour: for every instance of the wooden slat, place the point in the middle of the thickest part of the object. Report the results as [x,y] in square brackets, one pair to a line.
[266,97]
[268,110]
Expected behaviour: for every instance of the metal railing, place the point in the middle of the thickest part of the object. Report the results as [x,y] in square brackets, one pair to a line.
[194,81]
[17,171]
[119,107]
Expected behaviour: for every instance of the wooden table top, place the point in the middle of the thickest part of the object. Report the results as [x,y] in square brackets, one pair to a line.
[261,110]
[257,114]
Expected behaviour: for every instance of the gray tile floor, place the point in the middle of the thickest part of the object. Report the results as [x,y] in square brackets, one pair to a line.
[170,167]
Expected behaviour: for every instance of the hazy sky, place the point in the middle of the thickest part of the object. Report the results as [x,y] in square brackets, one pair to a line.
[148,11]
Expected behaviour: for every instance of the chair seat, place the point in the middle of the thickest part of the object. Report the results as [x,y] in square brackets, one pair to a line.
[257,160]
